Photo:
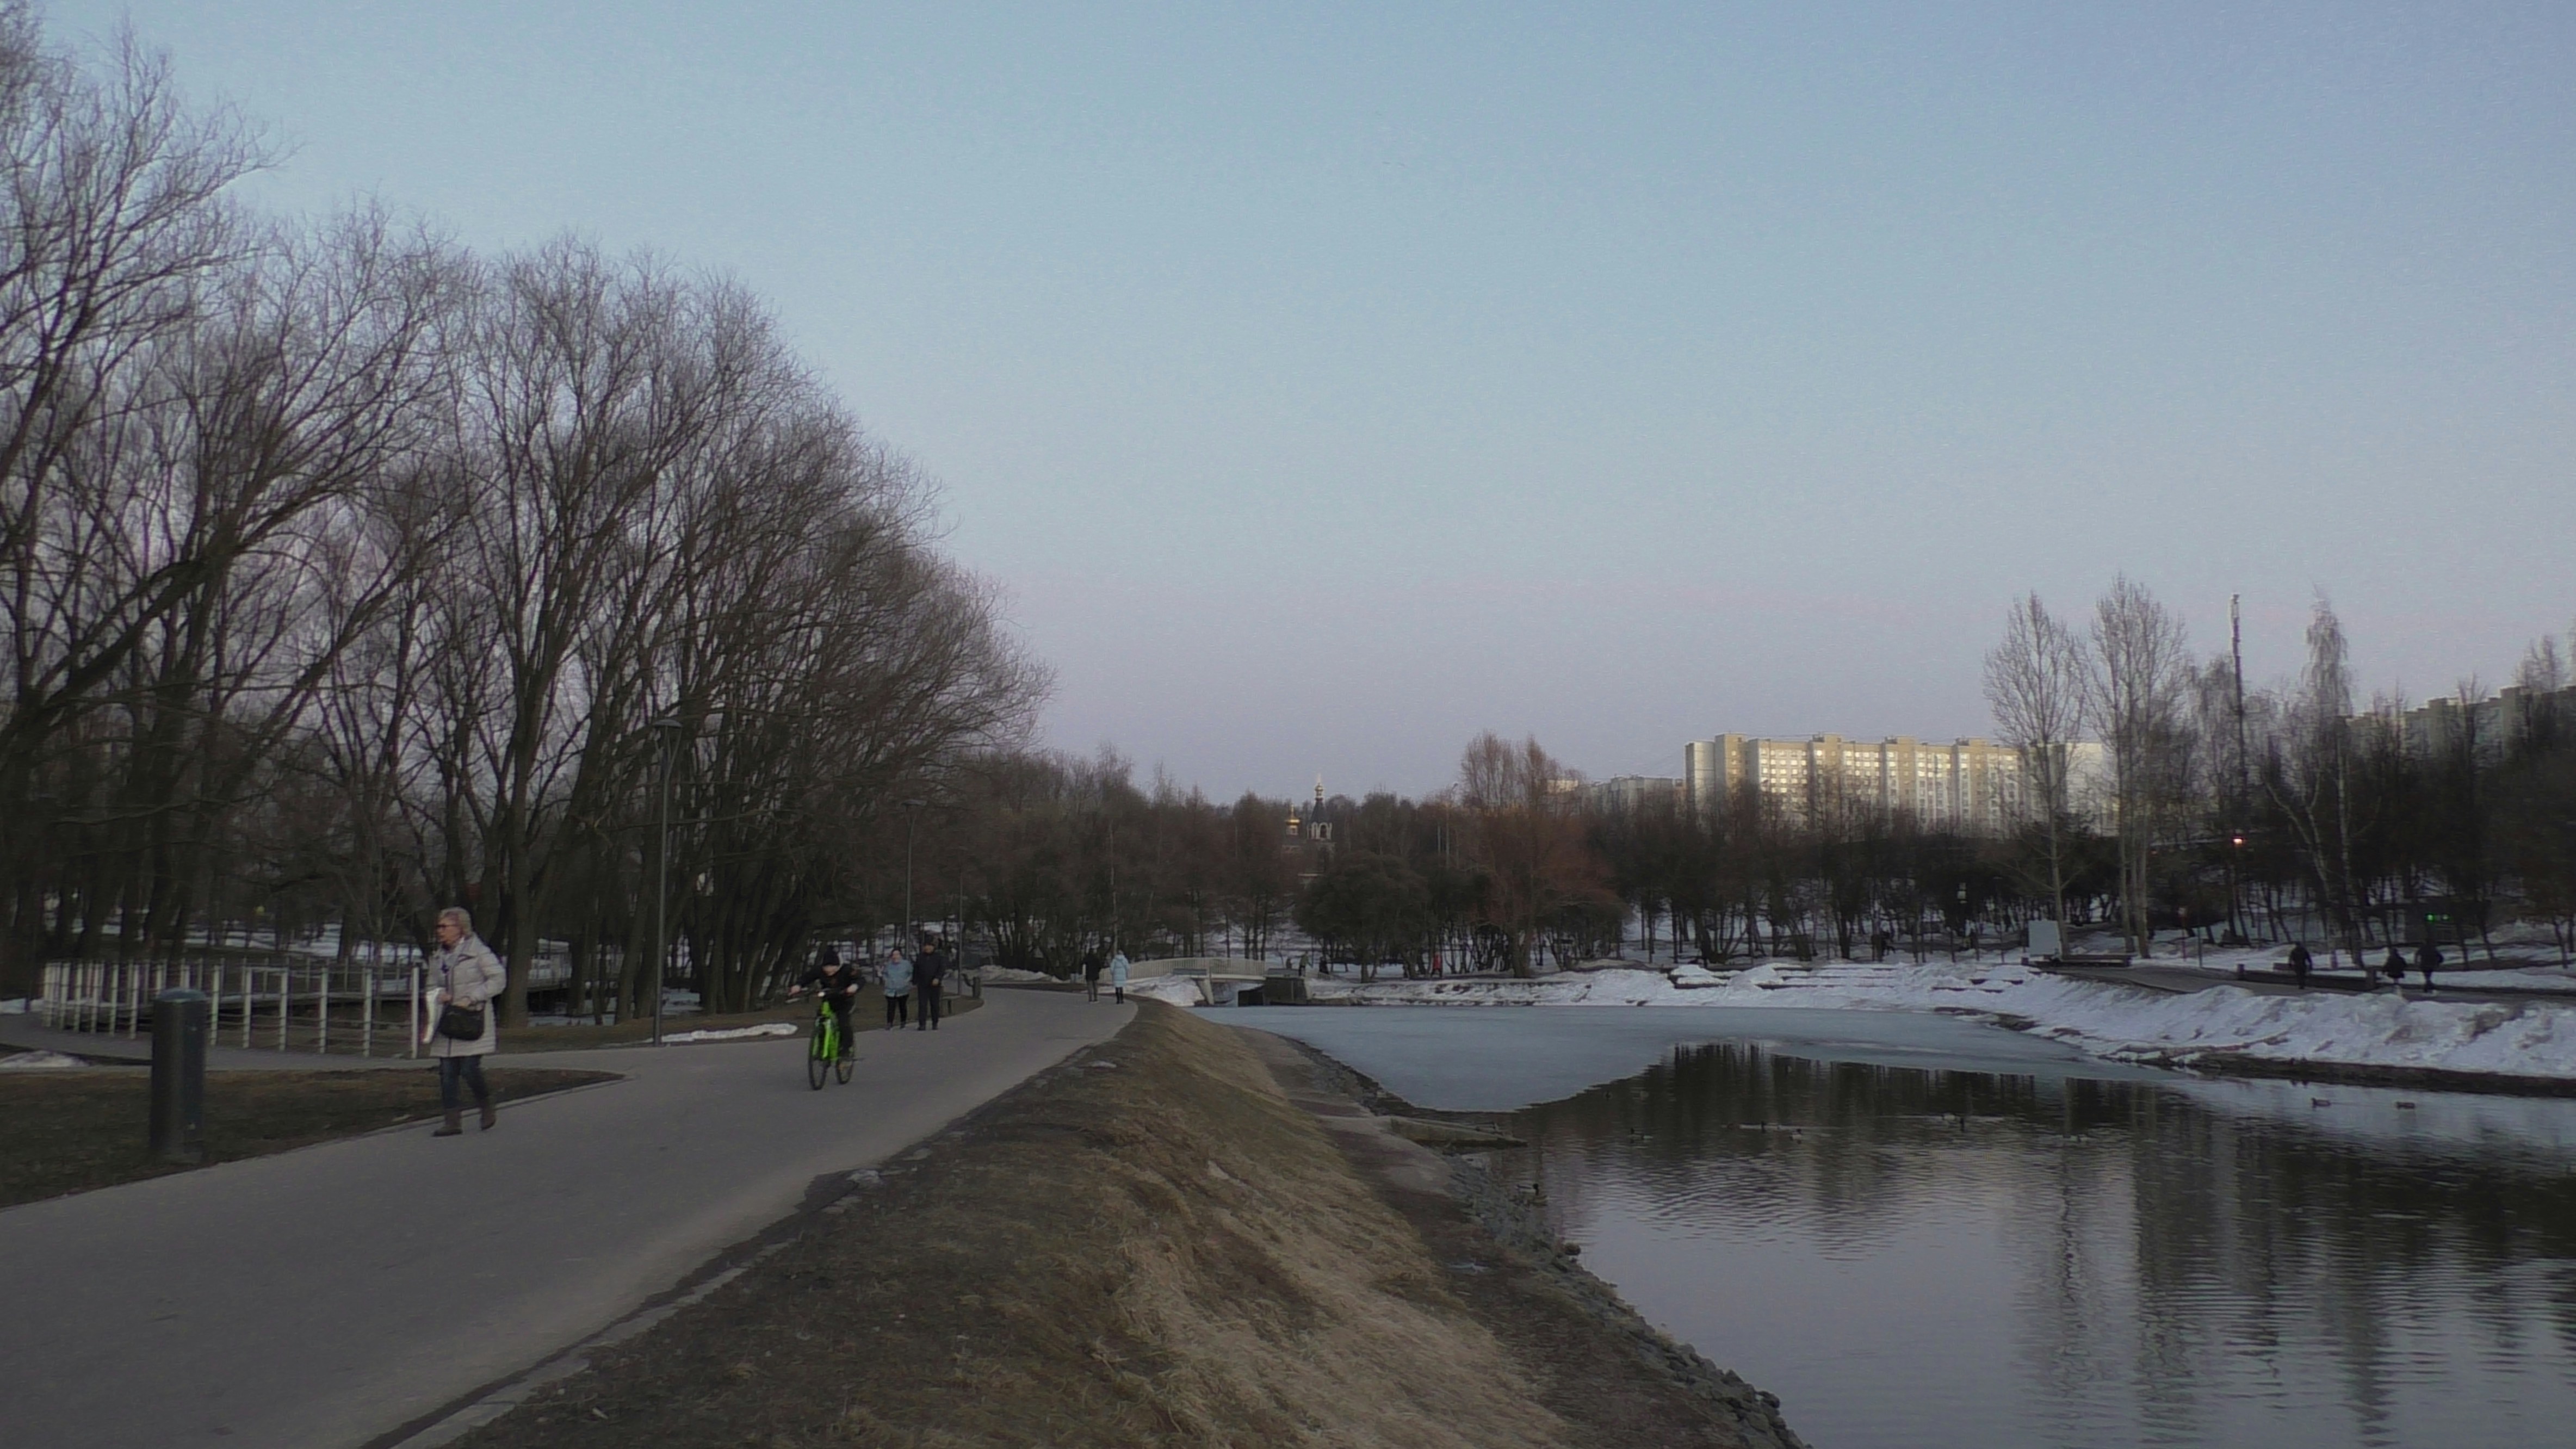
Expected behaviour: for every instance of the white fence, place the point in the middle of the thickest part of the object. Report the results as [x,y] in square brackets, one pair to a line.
[254,1003]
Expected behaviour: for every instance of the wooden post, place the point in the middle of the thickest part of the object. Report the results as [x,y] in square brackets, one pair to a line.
[411,1037]
[367,1034]
[285,1001]
[322,1023]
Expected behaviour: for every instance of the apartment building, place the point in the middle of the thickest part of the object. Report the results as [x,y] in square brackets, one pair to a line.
[1972,786]
[1632,792]
[2492,728]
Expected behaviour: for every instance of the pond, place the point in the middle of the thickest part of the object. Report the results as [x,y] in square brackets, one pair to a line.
[1923,1231]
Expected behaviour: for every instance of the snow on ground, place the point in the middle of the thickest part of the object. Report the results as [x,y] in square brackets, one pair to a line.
[39,1061]
[1178,990]
[731,1033]
[2524,1038]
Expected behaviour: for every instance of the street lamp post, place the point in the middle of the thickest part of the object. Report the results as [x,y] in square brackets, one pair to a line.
[911,818]
[666,731]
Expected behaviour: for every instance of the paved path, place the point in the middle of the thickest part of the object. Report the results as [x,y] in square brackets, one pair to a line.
[327,1296]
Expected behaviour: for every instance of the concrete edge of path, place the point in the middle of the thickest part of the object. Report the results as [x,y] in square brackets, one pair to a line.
[827,1194]
[477,1407]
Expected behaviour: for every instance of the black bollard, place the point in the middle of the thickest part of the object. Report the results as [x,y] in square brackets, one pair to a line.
[178,1075]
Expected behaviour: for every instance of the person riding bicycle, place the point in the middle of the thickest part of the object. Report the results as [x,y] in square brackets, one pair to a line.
[838,986]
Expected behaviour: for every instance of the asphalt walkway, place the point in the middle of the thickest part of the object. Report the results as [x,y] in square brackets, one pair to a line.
[328,1296]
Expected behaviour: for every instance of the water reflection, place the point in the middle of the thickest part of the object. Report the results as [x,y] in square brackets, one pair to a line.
[1916,1257]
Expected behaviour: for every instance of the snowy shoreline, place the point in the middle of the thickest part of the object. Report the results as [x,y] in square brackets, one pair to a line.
[2376,1037]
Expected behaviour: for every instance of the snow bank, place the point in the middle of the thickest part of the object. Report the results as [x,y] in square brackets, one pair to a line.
[1178,990]
[2379,1029]
[39,1062]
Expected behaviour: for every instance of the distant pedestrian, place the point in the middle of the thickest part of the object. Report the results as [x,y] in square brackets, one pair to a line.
[2428,958]
[463,1028]
[927,968]
[1118,976]
[1092,966]
[2300,961]
[2396,966]
[896,981]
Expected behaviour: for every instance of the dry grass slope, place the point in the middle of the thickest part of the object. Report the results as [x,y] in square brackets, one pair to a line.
[1088,1261]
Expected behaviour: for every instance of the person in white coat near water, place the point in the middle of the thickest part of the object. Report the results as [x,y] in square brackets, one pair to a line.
[469,978]
[1118,976]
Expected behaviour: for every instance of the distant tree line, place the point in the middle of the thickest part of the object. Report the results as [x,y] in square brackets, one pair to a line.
[346,574]
[2285,811]
[2251,814]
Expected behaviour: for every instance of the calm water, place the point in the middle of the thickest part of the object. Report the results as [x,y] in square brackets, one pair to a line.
[1914,1251]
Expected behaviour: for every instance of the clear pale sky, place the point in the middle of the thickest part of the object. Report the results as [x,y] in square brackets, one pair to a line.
[1328,383]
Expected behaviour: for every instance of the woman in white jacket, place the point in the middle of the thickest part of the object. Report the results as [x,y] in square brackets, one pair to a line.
[469,978]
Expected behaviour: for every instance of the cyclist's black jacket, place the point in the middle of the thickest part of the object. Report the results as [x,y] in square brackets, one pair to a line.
[842,987]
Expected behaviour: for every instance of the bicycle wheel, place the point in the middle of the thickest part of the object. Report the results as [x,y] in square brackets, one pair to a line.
[819,1054]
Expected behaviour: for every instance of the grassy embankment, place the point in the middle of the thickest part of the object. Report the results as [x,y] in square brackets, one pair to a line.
[1151,1244]
[71,1131]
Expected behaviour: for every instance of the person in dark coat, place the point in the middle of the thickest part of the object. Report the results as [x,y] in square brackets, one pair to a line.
[2300,961]
[2396,966]
[1092,966]
[837,985]
[2427,957]
[927,969]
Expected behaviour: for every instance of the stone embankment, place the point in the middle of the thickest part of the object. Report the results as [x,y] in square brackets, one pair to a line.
[1188,1236]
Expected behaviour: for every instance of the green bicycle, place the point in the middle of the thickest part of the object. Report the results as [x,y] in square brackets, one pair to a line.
[825,1058]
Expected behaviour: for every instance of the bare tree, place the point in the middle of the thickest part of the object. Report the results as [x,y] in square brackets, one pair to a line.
[2309,776]
[1527,836]
[2139,670]
[2038,685]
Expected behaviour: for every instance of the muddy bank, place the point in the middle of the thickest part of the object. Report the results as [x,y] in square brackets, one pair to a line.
[1152,1244]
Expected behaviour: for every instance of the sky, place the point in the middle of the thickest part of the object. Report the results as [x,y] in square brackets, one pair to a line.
[1323,384]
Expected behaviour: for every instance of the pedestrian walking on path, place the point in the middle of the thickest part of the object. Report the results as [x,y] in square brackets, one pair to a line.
[1092,966]
[1118,977]
[2396,967]
[2300,961]
[896,979]
[463,1026]
[927,968]
[2428,957]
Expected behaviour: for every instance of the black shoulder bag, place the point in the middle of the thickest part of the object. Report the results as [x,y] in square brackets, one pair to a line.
[460,1023]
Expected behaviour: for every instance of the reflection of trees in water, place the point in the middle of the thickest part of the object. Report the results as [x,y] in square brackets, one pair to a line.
[2155,1240]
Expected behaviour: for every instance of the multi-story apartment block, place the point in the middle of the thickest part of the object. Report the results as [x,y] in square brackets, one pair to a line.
[1632,792]
[2490,727]
[1972,786]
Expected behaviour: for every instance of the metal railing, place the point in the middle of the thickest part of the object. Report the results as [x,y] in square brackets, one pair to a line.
[252,1003]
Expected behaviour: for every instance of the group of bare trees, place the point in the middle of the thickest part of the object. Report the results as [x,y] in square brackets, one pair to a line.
[347,574]
[2288,807]
[1040,858]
